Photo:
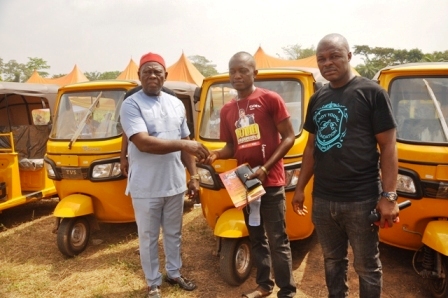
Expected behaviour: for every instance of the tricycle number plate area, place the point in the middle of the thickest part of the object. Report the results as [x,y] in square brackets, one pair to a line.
[71,173]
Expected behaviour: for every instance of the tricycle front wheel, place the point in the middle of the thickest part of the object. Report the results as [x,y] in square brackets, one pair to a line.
[439,286]
[73,235]
[235,260]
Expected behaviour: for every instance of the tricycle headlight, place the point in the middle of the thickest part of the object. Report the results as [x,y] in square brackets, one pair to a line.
[405,184]
[205,177]
[292,173]
[292,176]
[208,177]
[107,170]
[50,171]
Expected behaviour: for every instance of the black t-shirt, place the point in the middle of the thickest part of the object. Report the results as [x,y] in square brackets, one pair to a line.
[345,121]
[138,88]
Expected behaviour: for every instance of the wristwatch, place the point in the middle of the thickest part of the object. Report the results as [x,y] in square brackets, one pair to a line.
[390,196]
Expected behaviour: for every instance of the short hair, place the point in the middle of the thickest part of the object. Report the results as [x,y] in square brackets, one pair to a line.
[245,55]
[335,38]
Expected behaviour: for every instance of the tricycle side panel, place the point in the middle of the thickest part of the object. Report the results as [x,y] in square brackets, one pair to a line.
[436,236]
[73,206]
[231,224]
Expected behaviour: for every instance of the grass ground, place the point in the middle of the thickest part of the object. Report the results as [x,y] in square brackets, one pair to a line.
[32,266]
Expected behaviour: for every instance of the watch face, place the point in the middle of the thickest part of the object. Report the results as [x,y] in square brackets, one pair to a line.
[391,196]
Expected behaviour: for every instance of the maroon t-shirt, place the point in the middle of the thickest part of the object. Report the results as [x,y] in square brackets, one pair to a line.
[251,125]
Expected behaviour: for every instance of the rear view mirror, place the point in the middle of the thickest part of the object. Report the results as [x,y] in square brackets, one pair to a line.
[197,94]
[41,116]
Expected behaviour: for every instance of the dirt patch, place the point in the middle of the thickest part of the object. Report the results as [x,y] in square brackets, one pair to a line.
[32,266]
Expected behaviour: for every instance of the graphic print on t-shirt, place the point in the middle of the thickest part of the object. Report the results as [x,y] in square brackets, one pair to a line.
[330,121]
[247,131]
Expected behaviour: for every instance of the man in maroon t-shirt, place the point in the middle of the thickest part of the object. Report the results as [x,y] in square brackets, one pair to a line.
[262,140]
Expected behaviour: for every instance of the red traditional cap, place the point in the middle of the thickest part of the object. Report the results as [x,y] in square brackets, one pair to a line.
[151,57]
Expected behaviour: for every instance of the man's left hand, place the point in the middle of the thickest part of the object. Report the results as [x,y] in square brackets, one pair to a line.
[389,212]
[193,189]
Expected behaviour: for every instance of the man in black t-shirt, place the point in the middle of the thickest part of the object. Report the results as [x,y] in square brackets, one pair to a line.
[347,120]
[124,164]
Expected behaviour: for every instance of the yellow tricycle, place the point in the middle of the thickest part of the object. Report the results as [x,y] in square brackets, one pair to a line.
[83,159]
[419,97]
[295,86]
[25,123]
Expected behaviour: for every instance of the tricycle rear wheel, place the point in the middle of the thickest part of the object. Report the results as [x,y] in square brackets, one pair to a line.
[439,286]
[73,235]
[235,260]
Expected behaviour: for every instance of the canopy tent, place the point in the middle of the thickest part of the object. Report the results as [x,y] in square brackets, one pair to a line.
[75,76]
[183,70]
[36,78]
[130,72]
[264,60]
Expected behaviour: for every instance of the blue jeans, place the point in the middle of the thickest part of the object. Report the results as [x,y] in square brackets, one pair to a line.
[339,224]
[269,242]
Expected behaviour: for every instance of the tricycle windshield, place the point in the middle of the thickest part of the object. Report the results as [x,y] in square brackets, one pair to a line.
[88,115]
[220,93]
[420,105]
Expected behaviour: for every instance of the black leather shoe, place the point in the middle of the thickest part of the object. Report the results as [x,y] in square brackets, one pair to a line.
[182,282]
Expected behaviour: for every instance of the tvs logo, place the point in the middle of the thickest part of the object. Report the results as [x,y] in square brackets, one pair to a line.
[330,120]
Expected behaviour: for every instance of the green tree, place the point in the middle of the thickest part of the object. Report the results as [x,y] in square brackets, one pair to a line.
[37,64]
[376,58]
[109,75]
[205,66]
[436,57]
[367,70]
[295,52]
[14,71]
[415,55]
[59,75]
[93,75]
[1,69]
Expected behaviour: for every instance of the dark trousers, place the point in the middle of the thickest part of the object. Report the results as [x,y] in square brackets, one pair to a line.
[270,244]
[337,225]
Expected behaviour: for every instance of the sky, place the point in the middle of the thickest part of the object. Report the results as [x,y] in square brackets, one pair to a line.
[103,35]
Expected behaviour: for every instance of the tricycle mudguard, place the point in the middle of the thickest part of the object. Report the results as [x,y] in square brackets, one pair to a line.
[73,206]
[436,236]
[231,224]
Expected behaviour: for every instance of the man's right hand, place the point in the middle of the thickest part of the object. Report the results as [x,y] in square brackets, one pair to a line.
[297,203]
[198,150]
[211,158]
[124,166]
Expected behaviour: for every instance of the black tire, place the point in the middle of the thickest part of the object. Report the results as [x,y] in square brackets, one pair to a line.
[235,260]
[439,286]
[73,235]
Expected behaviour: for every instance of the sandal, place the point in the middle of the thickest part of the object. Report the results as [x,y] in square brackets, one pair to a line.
[257,293]
[154,292]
